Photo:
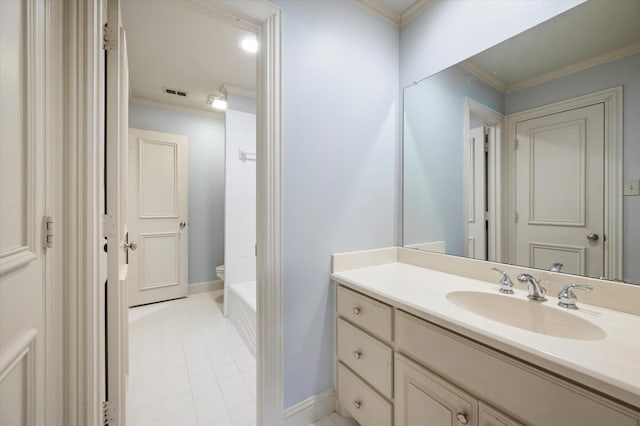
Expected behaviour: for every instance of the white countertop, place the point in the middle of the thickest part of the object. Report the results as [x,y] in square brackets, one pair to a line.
[610,365]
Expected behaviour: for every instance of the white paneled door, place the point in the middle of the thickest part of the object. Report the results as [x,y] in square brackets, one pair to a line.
[23,207]
[477,195]
[560,191]
[157,216]
[115,227]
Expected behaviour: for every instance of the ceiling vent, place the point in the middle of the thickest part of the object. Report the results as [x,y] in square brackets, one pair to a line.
[175,92]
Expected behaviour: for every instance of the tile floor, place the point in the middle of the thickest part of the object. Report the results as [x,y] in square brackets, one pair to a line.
[189,367]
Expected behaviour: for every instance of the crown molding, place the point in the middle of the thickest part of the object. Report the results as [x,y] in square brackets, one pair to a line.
[484,76]
[414,11]
[149,102]
[381,10]
[226,89]
[613,55]
[397,19]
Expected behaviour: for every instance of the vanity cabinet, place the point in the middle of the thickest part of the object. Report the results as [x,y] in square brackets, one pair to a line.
[424,399]
[396,368]
[364,351]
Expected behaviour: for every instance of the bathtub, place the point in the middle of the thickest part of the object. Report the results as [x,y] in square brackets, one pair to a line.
[242,311]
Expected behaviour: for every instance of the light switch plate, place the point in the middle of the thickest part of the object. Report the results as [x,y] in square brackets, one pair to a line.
[632,187]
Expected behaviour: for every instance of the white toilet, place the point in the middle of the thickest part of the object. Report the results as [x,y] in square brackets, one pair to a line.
[220,272]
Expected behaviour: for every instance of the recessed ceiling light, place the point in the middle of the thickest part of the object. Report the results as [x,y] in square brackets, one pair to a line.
[249,43]
[218,102]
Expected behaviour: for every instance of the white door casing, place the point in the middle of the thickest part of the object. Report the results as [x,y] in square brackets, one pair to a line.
[560,191]
[115,228]
[23,188]
[158,216]
[476,191]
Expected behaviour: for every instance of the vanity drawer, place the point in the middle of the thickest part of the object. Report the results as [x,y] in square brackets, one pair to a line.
[365,312]
[360,401]
[504,382]
[367,356]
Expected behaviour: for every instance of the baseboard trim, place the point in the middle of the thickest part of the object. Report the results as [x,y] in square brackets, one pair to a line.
[311,409]
[204,286]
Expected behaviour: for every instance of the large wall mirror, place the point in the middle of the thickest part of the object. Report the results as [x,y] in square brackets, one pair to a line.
[529,152]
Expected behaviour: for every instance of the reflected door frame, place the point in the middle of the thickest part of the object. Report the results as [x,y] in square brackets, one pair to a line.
[496,120]
[613,178]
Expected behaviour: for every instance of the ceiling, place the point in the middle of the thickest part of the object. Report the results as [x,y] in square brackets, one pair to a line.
[591,29]
[178,45]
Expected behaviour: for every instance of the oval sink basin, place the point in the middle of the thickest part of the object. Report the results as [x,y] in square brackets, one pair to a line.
[527,315]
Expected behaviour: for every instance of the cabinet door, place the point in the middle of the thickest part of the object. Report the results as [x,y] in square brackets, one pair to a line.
[423,398]
[489,416]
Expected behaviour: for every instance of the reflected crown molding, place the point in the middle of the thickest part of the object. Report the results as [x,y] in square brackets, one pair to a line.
[497,84]
[483,75]
[577,67]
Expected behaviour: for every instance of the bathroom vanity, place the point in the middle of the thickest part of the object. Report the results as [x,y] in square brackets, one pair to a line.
[419,344]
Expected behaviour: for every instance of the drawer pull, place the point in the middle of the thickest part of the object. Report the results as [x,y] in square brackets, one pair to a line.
[357,404]
[356,310]
[357,354]
[462,418]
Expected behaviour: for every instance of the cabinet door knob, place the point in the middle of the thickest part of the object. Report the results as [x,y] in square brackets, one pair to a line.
[357,354]
[357,404]
[462,418]
[356,310]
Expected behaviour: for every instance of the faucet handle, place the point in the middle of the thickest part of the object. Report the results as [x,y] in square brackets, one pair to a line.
[567,298]
[506,285]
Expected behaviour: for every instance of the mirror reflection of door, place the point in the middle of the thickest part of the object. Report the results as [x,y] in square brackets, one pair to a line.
[477,217]
[560,191]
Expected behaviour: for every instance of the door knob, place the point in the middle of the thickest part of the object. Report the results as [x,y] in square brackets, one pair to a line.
[593,237]
[183,224]
[131,246]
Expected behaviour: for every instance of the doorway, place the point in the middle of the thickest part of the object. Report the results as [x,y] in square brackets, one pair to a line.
[85,235]
[186,359]
[483,142]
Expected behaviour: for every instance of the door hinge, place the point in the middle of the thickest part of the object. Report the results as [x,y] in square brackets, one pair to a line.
[515,217]
[47,232]
[108,226]
[108,38]
[255,249]
[486,130]
[486,215]
[486,147]
[516,145]
[108,412]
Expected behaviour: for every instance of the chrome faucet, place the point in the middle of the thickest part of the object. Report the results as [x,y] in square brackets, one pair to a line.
[506,285]
[536,291]
[556,267]
[567,298]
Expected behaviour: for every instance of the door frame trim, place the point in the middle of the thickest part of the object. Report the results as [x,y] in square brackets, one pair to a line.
[84,322]
[613,178]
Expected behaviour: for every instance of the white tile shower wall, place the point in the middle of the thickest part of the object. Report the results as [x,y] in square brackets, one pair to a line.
[240,196]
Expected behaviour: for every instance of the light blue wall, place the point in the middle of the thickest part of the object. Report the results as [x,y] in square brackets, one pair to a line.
[241,103]
[625,72]
[340,110]
[434,153]
[206,180]
[448,32]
